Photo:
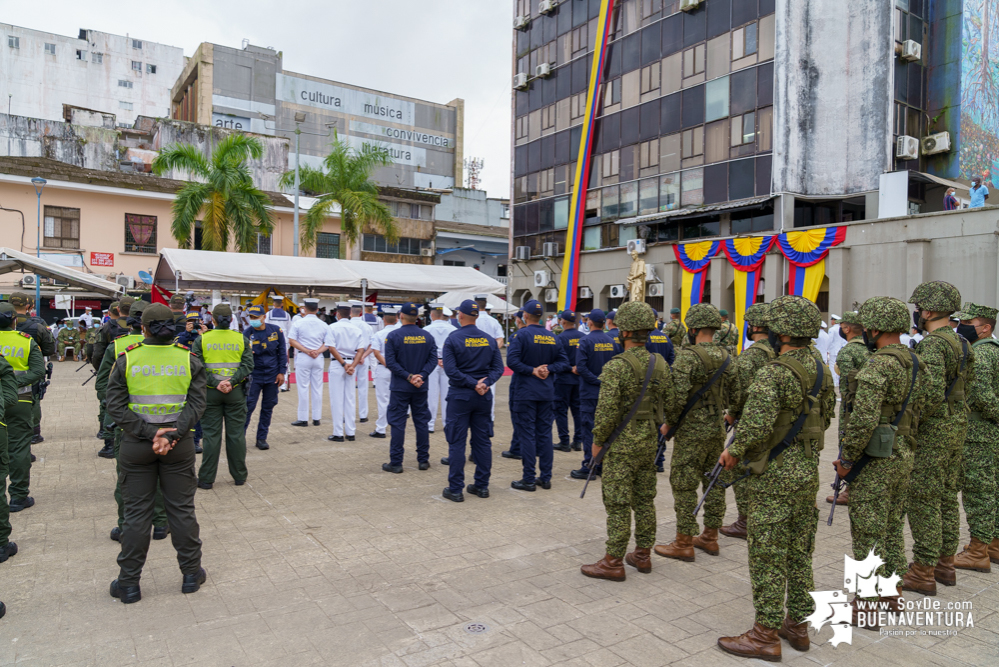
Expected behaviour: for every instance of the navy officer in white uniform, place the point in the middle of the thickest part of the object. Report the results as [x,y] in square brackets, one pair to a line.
[308,337]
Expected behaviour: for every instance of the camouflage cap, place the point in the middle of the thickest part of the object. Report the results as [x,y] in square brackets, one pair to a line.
[156,312]
[136,309]
[222,310]
[756,315]
[177,301]
[636,316]
[886,314]
[937,296]
[20,299]
[702,316]
[973,310]
[851,317]
[794,316]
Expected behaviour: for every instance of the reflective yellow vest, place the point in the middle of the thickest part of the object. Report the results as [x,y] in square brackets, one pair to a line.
[15,346]
[222,350]
[158,377]
[122,343]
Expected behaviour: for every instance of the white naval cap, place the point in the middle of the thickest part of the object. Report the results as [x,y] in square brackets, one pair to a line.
[311,302]
[448,312]
[390,310]
[343,304]
[435,305]
[834,316]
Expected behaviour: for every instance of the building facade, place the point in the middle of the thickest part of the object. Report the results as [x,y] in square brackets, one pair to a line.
[473,230]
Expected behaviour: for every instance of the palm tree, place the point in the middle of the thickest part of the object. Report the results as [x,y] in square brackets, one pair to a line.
[222,197]
[344,180]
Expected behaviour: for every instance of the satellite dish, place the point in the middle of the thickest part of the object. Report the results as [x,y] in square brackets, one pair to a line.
[145,277]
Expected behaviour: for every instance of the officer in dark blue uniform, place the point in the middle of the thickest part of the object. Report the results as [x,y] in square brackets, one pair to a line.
[567,386]
[270,363]
[411,356]
[595,349]
[659,343]
[514,451]
[612,329]
[472,363]
[535,358]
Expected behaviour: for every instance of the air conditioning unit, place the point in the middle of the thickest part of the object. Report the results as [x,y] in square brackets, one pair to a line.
[636,245]
[655,289]
[935,143]
[689,5]
[617,292]
[427,252]
[128,282]
[551,295]
[543,71]
[542,278]
[521,22]
[549,250]
[911,50]
[907,148]
[547,6]
[522,253]
[29,280]
[520,80]
[585,293]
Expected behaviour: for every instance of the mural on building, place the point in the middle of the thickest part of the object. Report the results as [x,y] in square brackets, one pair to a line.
[979,143]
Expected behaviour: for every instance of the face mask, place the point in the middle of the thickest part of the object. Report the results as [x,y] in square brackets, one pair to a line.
[968,331]
[918,321]
[775,341]
[871,343]
[842,334]
[257,324]
[692,337]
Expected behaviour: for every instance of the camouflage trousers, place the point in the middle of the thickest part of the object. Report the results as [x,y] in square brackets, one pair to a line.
[694,455]
[877,511]
[782,522]
[740,489]
[934,513]
[629,486]
[980,473]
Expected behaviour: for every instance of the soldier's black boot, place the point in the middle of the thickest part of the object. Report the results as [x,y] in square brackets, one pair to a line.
[107,452]
[127,594]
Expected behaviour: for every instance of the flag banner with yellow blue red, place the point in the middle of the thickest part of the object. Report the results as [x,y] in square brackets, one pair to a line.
[746,255]
[694,259]
[806,253]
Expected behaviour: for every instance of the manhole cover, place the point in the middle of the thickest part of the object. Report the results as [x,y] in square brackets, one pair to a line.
[476,628]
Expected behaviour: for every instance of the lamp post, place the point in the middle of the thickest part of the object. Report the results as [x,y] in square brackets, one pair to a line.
[39,184]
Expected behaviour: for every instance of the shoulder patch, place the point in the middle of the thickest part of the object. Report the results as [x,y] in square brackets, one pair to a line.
[183,347]
[133,346]
[24,334]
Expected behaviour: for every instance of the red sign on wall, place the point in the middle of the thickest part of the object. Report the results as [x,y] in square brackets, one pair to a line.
[102,259]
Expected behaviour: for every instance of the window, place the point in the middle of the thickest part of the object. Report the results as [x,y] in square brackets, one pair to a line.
[81,55]
[404,246]
[716,99]
[693,142]
[501,270]
[454,262]
[708,226]
[577,107]
[744,129]
[591,238]
[746,222]
[62,227]
[629,200]
[127,106]
[521,125]
[328,245]
[612,92]
[611,164]
[150,69]
[97,58]
[765,124]
[693,61]
[140,233]
[648,156]
[692,186]
[263,244]
[548,118]
[580,40]
[744,42]
[561,214]
[124,84]
[137,44]
[650,78]
[49,49]
[13,42]
[669,193]
[137,66]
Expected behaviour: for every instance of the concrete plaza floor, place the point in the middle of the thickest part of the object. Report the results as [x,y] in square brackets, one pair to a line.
[322,558]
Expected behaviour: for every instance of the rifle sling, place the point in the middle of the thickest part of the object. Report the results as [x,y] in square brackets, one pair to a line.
[697,397]
[957,376]
[800,421]
[631,413]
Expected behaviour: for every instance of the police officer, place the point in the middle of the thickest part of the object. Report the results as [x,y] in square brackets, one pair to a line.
[535,358]
[113,328]
[346,341]
[270,364]
[35,327]
[228,363]
[22,352]
[157,412]
[440,329]
[594,350]
[473,363]
[8,391]
[612,329]
[382,375]
[514,451]
[178,306]
[411,356]
[102,434]
[567,386]
[279,317]
[190,327]
[675,329]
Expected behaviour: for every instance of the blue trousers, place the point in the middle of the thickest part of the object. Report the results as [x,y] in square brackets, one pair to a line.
[198,434]
[466,413]
[270,391]
[587,408]
[515,438]
[567,400]
[536,444]
[400,404]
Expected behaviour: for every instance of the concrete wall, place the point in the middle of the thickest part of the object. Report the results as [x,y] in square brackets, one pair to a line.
[83,146]
[473,207]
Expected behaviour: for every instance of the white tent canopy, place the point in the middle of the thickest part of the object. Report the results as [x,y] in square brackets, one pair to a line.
[200,269]
[499,307]
[15,260]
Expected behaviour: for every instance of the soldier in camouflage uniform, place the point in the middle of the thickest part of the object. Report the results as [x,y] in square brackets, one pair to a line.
[980,469]
[887,395]
[629,474]
[675,329]
[747,365]
[700,437]
[934,514]
[782,514]
[67,338]
[850,358]
[727,336]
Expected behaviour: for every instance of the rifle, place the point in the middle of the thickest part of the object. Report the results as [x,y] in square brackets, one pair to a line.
[715,473]
[93,374]
[837,486]
[85,363]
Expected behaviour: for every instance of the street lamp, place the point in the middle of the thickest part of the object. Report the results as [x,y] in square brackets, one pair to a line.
[39,184]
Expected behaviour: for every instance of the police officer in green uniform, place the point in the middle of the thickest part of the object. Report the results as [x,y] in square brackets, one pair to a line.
[102,434]
[39,330]
[117,348]
[849,360]
[229,362]
[22,352]
[8,390]
[178,306]
[675,329]
[156,393]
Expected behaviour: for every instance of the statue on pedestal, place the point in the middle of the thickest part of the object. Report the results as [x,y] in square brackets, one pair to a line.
[636,278]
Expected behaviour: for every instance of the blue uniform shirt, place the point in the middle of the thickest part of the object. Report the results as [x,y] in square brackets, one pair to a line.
[470,355]
[615,333]
[568,340]
[595,350]
[410,351]
[269,356]
[535,346]
[660,342]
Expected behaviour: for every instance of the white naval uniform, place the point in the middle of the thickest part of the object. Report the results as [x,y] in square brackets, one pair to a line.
[488,325]
[347,339]
[310,332]
[834,344]
[383,377]
[282,319]
[438,380]
[361,374]
[88,318]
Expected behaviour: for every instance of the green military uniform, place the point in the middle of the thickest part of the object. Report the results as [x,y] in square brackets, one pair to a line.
[675,330]
[103,434]
[39,331]
[8,389]
[115,327]
[934,514]
[727,335]
[227,357]
[89,339]
[783,517]
[68,338]
[23,354]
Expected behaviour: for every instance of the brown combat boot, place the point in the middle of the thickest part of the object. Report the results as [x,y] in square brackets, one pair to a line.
[994,551]
[607,567]
[920,579]
[944,572]
[707,541]
[844,497]
[796,634]
[760,642]
[681,548]
[639,559]
[974,557]
[736,530]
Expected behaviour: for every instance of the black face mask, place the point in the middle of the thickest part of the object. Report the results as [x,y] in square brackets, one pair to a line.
[918,321]
[871,343]
[692,337]
[775,341]
[968,331]
[842,334]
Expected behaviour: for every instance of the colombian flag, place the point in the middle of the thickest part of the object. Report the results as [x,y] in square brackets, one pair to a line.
[746,256]
[806,254]
[694,259]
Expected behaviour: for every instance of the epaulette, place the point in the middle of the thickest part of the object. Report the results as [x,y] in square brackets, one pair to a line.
[133,346]
[24,334]
[183,347]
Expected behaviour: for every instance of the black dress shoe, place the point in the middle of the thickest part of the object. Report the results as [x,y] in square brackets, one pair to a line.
[3,610]
[582,473]
[262,444]
[521,485]
[351,438]
[376,434]
[21,504]
[240,482]
[545,485]
[315,422]
[577,446]
[284,389]
[510,455]
[456,497]
[424,465]
[204,485]
[192,582]
[116,534]
[107,451]
[300,423]
[160,532]
[563,447]
[363,420]
[198,449]
[445,461]
[476,491]
[127,594]
[6,552]
[335,438]
[388,467]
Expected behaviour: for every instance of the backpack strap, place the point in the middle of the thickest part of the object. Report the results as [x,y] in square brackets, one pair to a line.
[960,368]
[699,394]
[806,403]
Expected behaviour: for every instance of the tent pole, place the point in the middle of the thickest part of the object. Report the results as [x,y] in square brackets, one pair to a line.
[364,290]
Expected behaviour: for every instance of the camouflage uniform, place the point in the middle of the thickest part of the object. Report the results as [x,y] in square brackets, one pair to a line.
[68,338]
[783,517]
[728,337]
[90,339]
[676,332]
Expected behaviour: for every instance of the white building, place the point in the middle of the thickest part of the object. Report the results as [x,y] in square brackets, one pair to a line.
[129,77]
[473,230]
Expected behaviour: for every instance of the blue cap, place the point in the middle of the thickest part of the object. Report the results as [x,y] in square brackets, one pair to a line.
[411,309]
[533,307]
[597,315]
[255,311]
[469,307]
[567,315]
[520,314]
[611,315]
[193,316]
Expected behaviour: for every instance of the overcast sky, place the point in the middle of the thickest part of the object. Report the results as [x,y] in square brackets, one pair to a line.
[435,50]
